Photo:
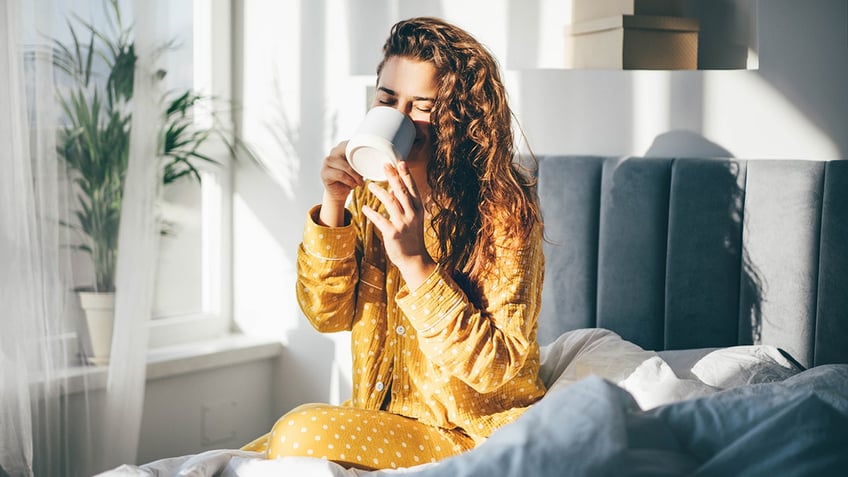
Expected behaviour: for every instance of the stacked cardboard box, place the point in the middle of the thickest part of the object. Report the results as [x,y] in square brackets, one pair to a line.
[631,34]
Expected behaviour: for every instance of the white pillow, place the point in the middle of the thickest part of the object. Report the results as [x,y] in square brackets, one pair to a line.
[658,378]
[733,366]
[600,352]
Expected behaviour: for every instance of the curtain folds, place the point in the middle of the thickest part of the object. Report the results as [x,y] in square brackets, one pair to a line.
[33,288]
[17,253]
[138,242]
[51,423]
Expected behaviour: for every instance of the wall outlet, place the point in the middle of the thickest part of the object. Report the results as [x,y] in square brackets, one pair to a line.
[218,422]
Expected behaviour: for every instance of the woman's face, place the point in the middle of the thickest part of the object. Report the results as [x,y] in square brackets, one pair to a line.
[410,86]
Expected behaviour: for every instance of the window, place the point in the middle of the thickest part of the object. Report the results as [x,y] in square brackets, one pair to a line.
[193,278]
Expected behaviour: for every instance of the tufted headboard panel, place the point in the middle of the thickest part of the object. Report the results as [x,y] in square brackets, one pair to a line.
[693,253]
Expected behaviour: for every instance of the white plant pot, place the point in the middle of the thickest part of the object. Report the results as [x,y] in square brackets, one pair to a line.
[99,311]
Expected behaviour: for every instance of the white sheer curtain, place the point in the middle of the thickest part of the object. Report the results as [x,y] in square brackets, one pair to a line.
[138,244]
[46,427]
[33,290]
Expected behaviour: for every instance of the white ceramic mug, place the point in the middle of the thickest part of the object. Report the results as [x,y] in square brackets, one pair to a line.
[385,135]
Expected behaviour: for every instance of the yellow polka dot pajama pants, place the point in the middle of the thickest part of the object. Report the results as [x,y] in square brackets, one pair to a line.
[360,438]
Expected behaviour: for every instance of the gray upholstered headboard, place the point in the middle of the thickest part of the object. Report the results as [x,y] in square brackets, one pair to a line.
[692,253]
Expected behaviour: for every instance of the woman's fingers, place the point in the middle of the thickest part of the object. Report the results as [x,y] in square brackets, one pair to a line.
[383,224]
[393,207]
[331,173]
[409,183]
[337,160]
[337,175]
[403,227]
[403,187]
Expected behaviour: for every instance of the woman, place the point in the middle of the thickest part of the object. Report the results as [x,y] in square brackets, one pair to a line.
[437,274]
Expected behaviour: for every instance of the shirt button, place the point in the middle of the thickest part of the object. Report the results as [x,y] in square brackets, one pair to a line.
[400,330]
[379,386]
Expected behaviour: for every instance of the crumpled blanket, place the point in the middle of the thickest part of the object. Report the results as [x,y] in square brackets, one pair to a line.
[795,427]
[613,408]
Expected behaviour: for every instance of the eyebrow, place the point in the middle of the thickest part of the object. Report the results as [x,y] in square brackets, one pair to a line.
[414,98]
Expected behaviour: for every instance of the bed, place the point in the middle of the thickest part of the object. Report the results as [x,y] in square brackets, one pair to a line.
[694,322]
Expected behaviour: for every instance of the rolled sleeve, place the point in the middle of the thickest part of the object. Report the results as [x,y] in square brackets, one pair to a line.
[328,243]
[327,274]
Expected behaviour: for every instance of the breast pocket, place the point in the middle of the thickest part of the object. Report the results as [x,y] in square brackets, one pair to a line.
[372,284]
[370,302]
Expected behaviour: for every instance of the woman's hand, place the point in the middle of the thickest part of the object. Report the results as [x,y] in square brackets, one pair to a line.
[338,179]
[403,229]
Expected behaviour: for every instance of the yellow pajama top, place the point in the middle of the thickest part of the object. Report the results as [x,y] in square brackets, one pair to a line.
[446,361]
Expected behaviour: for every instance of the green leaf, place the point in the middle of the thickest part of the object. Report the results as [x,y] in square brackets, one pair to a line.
[94,139]
[84,248]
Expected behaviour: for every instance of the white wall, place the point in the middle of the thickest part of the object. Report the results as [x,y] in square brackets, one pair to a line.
[184,414]
[794,106]
[302,82]
[212,409]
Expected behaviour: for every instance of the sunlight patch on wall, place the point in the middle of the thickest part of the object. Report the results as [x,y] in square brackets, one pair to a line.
[651,107]
[347,92]
[271,91]
[756,121]
[476,16]
[536,33]
[263,277]
[555,15]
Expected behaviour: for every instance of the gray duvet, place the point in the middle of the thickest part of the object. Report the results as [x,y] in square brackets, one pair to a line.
[795,427]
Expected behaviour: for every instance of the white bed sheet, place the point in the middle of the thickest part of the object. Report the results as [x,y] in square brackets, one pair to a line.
[651,379]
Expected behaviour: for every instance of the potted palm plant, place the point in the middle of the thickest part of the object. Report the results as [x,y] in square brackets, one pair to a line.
[94,144]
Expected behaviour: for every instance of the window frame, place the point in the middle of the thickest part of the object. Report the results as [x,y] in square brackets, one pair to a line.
[212,77]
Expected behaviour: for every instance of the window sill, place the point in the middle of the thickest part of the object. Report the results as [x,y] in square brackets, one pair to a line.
[180,359]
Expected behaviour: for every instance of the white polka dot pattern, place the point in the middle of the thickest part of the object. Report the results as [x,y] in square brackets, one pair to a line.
[445,360]
[371,440]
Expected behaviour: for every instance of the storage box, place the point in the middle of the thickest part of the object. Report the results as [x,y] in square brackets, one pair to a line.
[584,10]
[633,42]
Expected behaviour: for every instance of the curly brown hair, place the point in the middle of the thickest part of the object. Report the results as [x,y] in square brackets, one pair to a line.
[482,197]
